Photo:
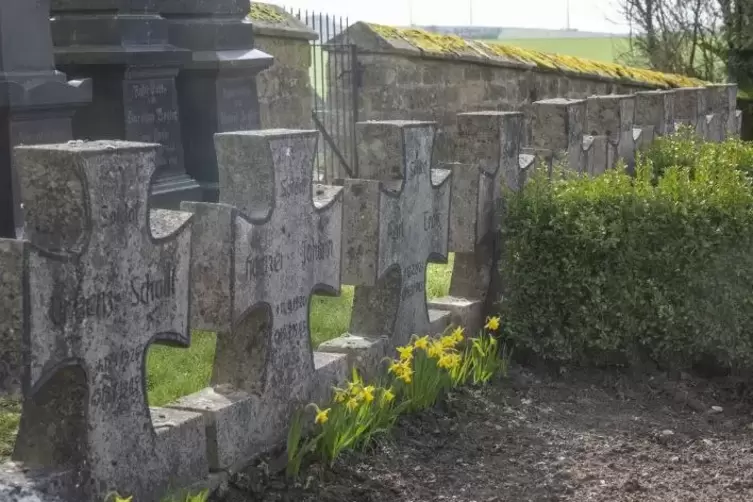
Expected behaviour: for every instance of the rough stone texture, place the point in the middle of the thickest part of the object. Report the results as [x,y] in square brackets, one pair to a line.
[598,155]
[723,102]
[102,288]
[396,220]
[464,312]
[655,109]
[364,353]
[12,267]
[488,146]
[613,116]
[255,265]
[123,46]
[285,93]
[409,87]
[691,107]
[18,483]
[36,101]
[559,125]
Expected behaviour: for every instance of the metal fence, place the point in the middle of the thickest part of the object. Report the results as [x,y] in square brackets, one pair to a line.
[334,80]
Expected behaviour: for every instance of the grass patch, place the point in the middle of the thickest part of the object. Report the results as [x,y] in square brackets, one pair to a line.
[175,372]
[9,416]
[599,49]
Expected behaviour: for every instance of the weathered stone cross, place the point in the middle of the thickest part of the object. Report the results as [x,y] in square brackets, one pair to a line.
[258,257]
[103,286]
[396,221]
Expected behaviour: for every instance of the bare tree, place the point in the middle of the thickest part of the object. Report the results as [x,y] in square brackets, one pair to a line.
[709,39]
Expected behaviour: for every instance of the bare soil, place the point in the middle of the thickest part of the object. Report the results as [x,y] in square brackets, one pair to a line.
[583,436]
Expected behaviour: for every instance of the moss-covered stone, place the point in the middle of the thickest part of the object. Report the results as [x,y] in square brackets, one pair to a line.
[265,12]
[434,43]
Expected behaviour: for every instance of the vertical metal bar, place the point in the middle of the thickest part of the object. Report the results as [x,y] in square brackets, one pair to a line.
[326,85]
[335,86]
[354,84]
[322,87]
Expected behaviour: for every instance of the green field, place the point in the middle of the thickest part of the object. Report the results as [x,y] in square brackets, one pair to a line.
[600,49]
[175,372]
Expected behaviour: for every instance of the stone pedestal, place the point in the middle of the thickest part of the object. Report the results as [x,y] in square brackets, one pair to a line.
[123,47]
[36,102]
[217,85]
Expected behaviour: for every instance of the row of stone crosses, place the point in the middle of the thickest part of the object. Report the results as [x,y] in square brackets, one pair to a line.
[100,276]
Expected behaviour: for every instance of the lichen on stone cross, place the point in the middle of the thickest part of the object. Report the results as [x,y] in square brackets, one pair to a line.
[272,242]
[396,221]
[106,279]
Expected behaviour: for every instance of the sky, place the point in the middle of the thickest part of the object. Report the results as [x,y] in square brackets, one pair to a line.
[585,15]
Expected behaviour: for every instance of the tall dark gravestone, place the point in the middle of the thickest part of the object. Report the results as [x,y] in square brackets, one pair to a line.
[36,101]
[122,45]
[217,86]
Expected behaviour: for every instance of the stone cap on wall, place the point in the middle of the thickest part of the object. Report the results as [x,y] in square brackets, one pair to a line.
[375,38]
[274,21]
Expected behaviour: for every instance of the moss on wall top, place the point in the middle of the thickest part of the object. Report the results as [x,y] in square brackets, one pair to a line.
[452,45]
[274,21]
[265,12]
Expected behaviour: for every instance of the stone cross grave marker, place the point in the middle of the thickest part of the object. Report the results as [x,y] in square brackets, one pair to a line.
[655,110]
[613,116]
[690,108]
[488,151]
[559,125]
[396,221]
[257,259]
[723,103]
[104,283]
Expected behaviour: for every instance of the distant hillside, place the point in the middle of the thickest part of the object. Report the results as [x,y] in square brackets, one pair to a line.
[503,33]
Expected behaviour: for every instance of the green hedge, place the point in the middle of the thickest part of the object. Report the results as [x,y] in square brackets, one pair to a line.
[615,270]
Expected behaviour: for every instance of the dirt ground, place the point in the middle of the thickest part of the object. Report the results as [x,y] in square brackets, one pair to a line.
[590,436]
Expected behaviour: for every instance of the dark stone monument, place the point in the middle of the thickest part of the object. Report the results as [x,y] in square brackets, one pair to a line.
[123,46]
[217,86]
[36,102]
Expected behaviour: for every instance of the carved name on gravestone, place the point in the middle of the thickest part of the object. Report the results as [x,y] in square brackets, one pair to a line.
[559,125]
[106,279]
[613,116]
[123,46]
[396,222]
[488,148]
[12,267]
[256,264]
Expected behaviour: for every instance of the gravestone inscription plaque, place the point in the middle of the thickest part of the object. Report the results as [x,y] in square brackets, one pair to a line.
[107,277]
[217,85]
[37,102]
[123,46]
[258,257]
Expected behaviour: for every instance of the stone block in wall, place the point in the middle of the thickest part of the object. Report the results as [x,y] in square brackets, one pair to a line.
[723,102]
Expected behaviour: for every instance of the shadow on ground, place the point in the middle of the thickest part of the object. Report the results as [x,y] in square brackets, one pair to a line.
[536,437]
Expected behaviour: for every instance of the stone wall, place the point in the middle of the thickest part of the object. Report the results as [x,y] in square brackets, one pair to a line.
[285,92]
[415,75]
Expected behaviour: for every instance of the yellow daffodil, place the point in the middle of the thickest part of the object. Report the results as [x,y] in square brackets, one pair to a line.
[406,353]
[422,343]
[340,395]
[406,377]
[448,342]
[436,349]
[322,416]
[352,404]
[492,323]
[458,335]
[395,367]
[449,361]
[367,394]
[121,499]
[387,396]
